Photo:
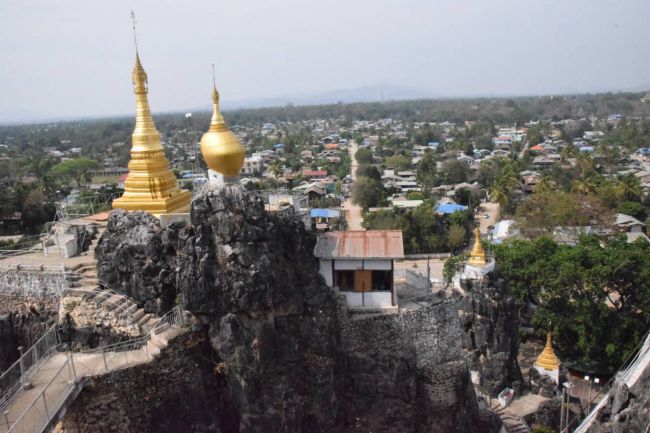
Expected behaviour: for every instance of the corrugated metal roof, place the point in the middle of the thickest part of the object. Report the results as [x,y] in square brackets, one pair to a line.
[361,244]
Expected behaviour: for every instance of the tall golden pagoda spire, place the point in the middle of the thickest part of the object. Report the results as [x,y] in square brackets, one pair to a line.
[150,185]
[547,359]
[220,148]
[477,256]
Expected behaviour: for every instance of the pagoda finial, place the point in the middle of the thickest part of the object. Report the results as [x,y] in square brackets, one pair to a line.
[135,35]
[217,123]
[477,256]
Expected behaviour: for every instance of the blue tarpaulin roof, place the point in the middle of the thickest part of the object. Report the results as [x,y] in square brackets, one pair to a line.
[447,208]
[325,213]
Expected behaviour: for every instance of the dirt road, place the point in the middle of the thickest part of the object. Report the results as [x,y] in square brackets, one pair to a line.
[352,211]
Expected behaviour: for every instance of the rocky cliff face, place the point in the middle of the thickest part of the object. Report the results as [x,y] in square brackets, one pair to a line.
[628,409]
[491,334]
[279,354]
[23,320]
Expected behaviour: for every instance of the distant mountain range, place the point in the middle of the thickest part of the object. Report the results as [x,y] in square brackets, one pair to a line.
[374,93]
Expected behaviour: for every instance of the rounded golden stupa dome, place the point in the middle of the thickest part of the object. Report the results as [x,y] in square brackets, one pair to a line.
[221,148]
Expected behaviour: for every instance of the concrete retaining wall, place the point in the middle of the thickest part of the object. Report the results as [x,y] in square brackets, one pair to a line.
[31,283]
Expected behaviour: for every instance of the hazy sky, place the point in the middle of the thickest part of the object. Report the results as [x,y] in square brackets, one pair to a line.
[68,58]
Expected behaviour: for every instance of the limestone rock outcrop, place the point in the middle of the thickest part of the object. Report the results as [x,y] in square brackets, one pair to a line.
[23,320]
[628,409]
[490,322]
[279,353]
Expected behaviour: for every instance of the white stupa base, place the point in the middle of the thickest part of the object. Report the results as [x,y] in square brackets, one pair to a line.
[217,179]
[477,272]
[553,374]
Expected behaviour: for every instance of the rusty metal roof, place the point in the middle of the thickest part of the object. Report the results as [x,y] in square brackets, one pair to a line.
[370,244]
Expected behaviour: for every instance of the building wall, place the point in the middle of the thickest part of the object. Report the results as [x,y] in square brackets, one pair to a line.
[325,269]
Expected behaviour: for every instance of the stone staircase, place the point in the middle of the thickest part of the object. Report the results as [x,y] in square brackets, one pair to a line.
[511,423]
[61,376]
[110,308]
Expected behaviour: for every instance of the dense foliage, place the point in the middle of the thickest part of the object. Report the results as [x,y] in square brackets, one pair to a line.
[423,230]
[594,297]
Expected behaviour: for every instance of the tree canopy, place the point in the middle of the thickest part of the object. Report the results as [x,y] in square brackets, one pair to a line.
[594,297]
[77,169]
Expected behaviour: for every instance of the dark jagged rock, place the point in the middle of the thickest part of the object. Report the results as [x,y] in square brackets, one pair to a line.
[547,414]
[131,260]
[491,334]
[287,358]
[22,322]
[628,409]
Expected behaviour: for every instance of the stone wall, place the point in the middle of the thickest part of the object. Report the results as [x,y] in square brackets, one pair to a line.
[405,372]
[431,333]
[31,283]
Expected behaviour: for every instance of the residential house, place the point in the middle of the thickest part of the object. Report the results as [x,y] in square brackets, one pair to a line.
[314,175]
[253,164]
[632,227]
[360,264]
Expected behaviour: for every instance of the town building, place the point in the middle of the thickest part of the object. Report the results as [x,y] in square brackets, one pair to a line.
[360,264]
[253,164]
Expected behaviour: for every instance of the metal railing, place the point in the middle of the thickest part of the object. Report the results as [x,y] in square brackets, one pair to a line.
[48,402]
[105,288]
[638,356]
[46,405]
[24,368]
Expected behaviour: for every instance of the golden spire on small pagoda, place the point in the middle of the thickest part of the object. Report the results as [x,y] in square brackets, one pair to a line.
[547,359]
[221,148]
[150,185]
[477,256]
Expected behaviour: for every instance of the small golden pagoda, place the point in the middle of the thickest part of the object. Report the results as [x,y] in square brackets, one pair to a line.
[547,359]
[477,256]
[221,148]
[150,185]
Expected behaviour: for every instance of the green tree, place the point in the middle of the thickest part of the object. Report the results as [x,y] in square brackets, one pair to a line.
[369,171]
[628,187]
[546,184]
[632,208]
[398,162]
[426,171]
[364,156]
[594,296]
[367,192]
[455,171]
[77,169]
[456,237]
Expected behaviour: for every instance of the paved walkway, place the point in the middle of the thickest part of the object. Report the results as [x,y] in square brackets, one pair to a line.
[351,210]
[54,381]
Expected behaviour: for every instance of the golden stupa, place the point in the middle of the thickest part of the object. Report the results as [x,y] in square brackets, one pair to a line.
[547,359]
[477,256]
[150,185]
[220,148]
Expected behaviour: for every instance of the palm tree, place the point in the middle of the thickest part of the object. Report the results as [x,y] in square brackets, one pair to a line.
[276,168]
[545,184]
[585,185]
[503,187]
[628,187]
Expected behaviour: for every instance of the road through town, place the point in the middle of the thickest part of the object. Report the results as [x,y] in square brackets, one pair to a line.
[352,211]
